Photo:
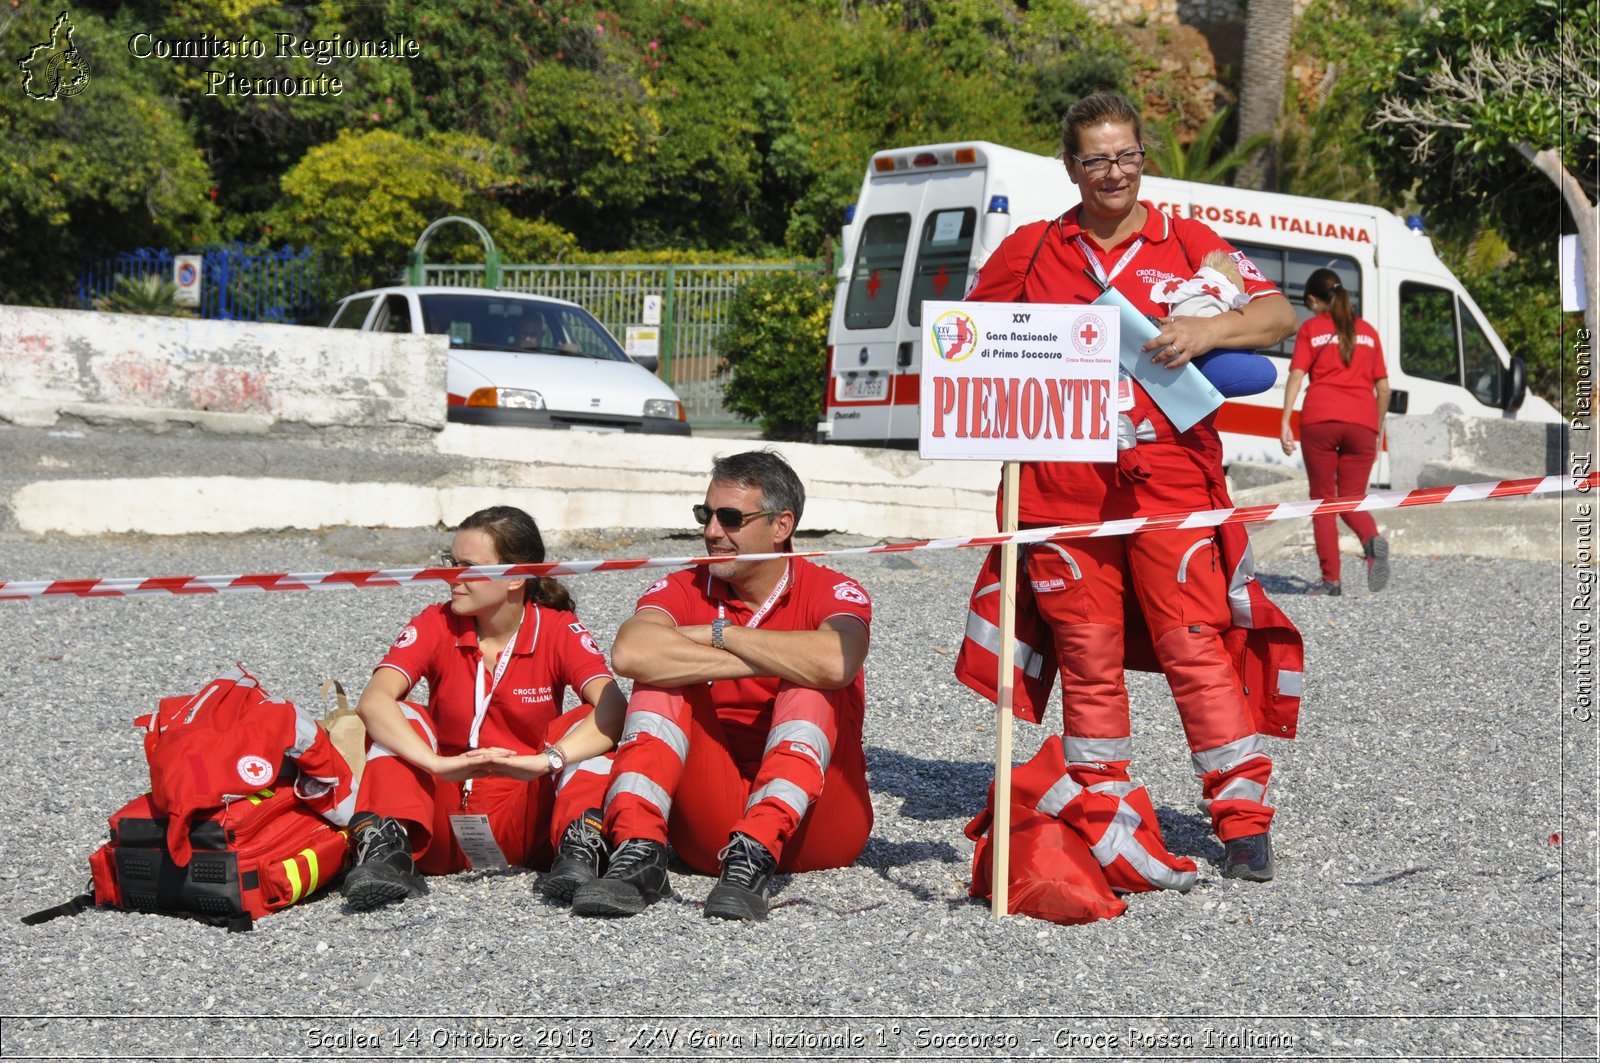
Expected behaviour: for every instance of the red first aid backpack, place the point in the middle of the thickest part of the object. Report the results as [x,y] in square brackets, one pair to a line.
[204,842]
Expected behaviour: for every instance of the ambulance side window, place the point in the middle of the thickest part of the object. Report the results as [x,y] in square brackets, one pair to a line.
[1289,270]
[875,280]
[942,256]
[1428,333]
[1485,378]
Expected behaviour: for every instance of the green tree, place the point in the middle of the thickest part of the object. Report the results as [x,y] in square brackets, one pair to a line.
[1488,104]
[1206,158]
[363,199]
[110,168]
[775,344]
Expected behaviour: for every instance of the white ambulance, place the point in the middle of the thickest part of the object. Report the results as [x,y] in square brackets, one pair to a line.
[928,217]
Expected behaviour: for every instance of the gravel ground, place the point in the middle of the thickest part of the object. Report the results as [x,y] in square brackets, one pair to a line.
[1435,896]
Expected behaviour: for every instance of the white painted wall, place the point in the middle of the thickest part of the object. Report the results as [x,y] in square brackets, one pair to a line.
[225,375]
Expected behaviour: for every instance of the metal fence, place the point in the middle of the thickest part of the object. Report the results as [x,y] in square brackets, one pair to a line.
[238,282]
[695,302]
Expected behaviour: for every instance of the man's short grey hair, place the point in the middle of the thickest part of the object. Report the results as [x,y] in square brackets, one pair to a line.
[765,470]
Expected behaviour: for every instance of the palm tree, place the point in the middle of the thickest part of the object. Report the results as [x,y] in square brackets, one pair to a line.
[151,294]
[1268,27]
[1200,161]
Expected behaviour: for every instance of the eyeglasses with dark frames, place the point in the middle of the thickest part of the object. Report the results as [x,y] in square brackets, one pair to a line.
[1098,166]
[728,516]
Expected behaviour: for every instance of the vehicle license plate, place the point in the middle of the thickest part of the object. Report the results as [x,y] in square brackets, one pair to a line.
[864,388]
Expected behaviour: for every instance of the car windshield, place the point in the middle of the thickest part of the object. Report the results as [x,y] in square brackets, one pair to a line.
[485,322]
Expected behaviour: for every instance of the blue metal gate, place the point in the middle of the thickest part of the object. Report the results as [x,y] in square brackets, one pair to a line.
[239,282]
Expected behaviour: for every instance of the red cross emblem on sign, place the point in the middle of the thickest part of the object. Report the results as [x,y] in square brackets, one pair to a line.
[873,284]
[1088,334]
[940,280]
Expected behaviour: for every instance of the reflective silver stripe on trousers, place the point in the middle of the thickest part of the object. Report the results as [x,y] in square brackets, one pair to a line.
[1183,566]
[380,750]
[781,790]
[631,782]
[1058,796]
[1119,840]
[1291,684]
[1224,757]
[807,734]
[1098,750]
[305,733]
[600,765]
[1237,790]
[653,723]
[1072,563]
[987,635]
[339,814]
[1238,592]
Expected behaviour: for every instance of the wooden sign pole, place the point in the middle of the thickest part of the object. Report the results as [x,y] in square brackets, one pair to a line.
[1000,832]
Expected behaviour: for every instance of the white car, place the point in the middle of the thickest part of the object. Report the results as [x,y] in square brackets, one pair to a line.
[526,360]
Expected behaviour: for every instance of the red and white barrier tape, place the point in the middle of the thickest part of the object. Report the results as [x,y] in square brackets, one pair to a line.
[27,590]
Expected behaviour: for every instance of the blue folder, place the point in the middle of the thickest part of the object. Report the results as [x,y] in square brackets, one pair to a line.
[1184,395]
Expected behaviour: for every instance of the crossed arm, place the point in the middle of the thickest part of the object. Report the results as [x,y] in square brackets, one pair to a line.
[651,648]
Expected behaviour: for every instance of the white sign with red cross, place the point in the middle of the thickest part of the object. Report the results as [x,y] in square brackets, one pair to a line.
[1019,382]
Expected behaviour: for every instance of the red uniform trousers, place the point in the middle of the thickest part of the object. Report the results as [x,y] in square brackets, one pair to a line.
[1339,459]
[806,800]
[1178,581]
[525,816]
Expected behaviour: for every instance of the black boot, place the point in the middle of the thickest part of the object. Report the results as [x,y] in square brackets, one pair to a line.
[580,858]
[636,877]
[383,870]
[1249,858]
[741,890]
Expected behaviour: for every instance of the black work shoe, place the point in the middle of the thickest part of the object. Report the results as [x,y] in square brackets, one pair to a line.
[383,870]
[1331,587]
[636,877]
[580,858]
[1249,858]
[1377,551]
[741,890]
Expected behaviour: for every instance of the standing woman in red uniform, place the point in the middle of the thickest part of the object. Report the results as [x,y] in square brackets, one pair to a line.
[1340,424]
[1176,578]
[490,772]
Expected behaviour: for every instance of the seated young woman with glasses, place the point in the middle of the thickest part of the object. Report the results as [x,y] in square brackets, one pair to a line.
[490,772]
[1187,586]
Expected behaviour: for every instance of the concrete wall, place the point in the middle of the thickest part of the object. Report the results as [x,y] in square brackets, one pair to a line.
[222,375]
[1443,449]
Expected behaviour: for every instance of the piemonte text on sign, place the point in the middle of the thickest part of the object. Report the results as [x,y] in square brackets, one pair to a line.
[1019,382]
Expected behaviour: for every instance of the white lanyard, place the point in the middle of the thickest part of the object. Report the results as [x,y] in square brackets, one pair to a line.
[1100,273]
[482,697]
[766,606]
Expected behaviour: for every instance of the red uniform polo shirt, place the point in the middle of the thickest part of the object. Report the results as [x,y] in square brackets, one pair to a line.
[807,596]
[1164,249]
[1339,392]
[553,651]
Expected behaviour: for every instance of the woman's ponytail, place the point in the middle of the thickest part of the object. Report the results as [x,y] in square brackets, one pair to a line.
[1326,286]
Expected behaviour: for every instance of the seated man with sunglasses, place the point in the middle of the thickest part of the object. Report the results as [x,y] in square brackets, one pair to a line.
[742,743]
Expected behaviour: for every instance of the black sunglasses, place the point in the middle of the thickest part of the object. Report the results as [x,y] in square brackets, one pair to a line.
[728,516]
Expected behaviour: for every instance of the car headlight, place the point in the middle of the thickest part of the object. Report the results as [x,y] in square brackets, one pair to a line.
[507,398]
[671,409]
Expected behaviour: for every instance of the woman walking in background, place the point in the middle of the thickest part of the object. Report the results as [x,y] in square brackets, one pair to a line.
[1342,420]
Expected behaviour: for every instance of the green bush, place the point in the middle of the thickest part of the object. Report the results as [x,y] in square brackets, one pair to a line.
[775,346]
